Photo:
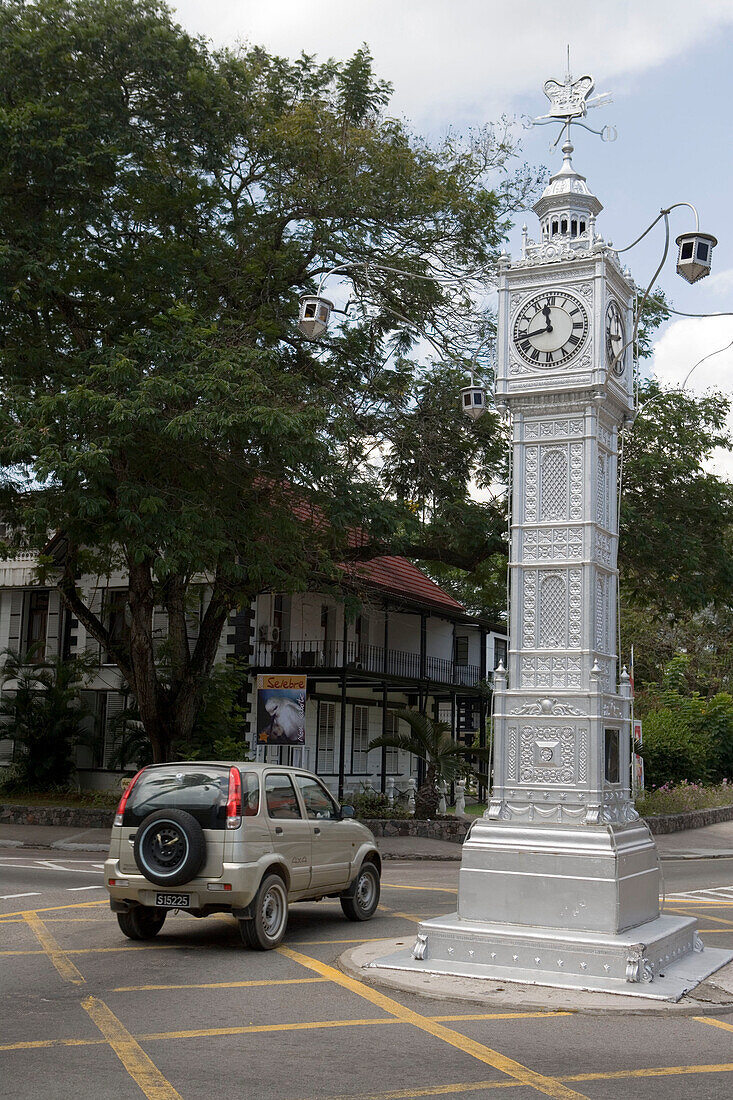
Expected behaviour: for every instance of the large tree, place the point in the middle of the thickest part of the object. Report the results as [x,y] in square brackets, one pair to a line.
[676,515]
[162,206]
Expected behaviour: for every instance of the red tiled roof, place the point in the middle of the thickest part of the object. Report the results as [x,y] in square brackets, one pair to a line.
[401,578]
[390,574]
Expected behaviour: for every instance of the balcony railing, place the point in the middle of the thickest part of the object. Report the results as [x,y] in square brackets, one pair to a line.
[309,654]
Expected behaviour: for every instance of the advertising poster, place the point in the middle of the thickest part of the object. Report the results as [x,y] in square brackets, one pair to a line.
[281,709]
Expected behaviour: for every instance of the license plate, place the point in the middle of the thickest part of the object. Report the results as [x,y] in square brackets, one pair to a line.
[173,901]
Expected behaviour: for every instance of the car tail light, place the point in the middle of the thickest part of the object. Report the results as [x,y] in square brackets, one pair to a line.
[123,801]
[118,882]
[234,803]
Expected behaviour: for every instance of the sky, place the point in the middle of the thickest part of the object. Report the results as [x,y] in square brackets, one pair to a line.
[458,64]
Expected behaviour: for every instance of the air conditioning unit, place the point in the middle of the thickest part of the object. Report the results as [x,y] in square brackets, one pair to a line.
[269,633]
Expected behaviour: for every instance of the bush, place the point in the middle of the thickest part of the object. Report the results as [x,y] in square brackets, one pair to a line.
[371,804]
[686,737]
[686,796]
[41,712]
[676,748]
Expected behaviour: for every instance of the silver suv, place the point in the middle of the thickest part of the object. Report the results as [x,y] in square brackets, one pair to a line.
[241,838]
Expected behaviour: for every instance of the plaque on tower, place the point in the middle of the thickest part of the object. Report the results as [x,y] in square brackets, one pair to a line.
[559,881]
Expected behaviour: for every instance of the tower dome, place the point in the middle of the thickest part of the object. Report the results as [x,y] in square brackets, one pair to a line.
[567,208]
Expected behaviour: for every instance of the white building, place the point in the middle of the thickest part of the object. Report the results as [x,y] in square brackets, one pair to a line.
[412,644]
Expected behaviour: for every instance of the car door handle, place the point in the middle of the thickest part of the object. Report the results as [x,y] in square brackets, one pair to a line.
[278,830]
[317,832]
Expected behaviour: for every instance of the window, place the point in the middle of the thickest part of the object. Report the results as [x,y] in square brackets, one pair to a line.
[392,727]
[115,619]
[359,739]
[250,794]
[282,801]
[326,738]
[499,652]
[199,789]
[37,623]
[461,650]
[612,756]
[319,805]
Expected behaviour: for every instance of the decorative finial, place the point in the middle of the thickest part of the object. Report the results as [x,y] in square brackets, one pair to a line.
[571,101]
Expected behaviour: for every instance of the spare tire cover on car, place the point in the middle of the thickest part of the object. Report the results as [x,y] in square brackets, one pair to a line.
[170,847]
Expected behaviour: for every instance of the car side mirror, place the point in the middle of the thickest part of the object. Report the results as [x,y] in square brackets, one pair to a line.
[347,811]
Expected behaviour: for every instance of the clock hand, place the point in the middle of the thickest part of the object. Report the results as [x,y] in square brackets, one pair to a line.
[539,331]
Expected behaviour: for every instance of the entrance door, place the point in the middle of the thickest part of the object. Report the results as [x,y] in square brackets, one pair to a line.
[291,835]
[333,844]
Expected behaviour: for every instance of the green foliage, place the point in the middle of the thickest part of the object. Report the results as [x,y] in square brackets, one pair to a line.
[654,313]
[162,206]
[676,519]
[40,710]
[431,741]
[373,804]
[684,797]
[217,732]
[687,738]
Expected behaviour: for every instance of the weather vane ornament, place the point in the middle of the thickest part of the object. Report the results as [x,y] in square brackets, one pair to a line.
[571,101]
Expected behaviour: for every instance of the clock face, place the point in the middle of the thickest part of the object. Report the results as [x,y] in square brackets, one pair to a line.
[550,328]
[615,338]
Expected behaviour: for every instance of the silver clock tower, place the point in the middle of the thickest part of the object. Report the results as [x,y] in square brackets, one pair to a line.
[560,881]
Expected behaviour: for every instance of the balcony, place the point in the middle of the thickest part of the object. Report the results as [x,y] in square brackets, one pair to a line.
[309,654]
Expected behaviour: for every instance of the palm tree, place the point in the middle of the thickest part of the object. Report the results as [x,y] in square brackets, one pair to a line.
[432,741]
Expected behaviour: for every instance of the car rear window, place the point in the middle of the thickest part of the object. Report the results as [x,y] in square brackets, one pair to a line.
[201,791]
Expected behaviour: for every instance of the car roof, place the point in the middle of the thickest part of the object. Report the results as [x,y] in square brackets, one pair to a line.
[249,765]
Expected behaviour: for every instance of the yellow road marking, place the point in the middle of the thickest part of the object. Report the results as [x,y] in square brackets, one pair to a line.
[251,1029]
[221,985]
[144,1073]
[474,1049]
[58,957]
[107,950]
[41,1044]
[479,1086]
[713,1023]
[313,943]
[709,916]
[56,908]
[430,889]
[717,931]
[692,902]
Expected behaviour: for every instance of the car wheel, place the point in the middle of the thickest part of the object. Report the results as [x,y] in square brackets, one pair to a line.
[267,926]
[141,923]
[170,847]
[363,897]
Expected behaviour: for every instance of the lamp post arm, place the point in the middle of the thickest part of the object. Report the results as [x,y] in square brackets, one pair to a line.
[662,213]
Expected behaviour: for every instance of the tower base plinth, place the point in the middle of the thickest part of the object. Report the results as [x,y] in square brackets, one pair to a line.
[662,959]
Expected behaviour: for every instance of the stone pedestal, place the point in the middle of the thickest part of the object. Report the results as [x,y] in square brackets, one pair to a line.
[567,906]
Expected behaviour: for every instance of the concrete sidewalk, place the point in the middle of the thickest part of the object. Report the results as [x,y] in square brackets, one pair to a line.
[709,842]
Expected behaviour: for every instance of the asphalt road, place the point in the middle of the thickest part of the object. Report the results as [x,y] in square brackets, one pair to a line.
[193,1014]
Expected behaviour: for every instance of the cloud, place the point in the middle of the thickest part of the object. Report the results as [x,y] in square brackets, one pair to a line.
[468,60]
[720,285]
[703,346]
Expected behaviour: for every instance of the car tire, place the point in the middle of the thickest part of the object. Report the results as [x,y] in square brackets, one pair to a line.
[170,847]
[266,928]
[141,923]
[363,897]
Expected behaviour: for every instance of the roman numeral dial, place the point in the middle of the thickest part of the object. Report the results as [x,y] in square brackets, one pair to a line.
[550,329]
